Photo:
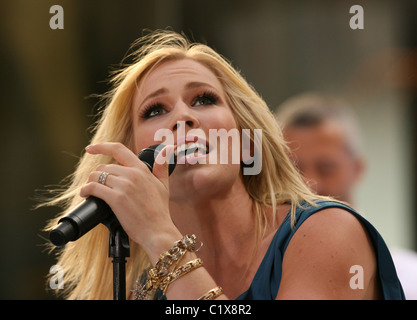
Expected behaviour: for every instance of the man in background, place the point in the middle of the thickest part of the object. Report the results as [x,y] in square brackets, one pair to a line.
[325,145]
[323,136]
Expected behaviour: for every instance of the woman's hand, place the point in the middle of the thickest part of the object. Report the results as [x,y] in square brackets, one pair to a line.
[139,198]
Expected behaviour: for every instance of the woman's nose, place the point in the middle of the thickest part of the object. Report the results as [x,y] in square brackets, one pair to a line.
[184,115]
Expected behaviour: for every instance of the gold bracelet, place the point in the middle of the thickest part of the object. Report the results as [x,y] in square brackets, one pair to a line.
[160,273]
[212,294]
[167,280]
[186,268]
[179,272]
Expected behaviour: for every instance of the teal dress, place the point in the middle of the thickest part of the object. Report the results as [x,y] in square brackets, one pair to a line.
[265,284]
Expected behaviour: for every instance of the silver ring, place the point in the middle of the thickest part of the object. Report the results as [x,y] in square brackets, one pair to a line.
[103,177]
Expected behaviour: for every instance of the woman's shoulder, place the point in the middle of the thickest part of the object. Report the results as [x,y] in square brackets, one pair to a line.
[321,213]
[333,224]
[331,229]
[328,213]
[325,255]
[305,208]
[331,221]
[322,251]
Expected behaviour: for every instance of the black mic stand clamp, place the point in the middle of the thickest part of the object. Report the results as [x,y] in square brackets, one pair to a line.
[119,249]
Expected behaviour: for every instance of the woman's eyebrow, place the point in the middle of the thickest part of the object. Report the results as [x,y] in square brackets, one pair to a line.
[154,94]
[189,85]
[197,84]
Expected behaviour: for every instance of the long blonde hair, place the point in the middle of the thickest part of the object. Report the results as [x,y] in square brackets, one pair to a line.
[86,266]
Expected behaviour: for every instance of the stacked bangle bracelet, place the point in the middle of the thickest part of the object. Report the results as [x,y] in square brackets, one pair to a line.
[168,269]
[212,294]
[161,276]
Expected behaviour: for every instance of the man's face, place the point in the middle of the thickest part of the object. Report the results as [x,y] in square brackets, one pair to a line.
[321,154]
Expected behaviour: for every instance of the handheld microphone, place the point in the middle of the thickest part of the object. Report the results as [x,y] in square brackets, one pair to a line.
[93,210]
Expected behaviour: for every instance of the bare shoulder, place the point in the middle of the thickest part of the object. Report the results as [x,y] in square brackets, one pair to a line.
[336,222]
[319,259]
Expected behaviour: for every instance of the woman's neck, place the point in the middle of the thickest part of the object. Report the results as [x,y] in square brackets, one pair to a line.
[216,219]
[226,226]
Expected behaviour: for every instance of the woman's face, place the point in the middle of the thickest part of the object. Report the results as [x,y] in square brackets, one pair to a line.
[186,98]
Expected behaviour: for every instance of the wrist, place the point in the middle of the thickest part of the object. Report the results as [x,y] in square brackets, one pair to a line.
[161,242]
[167,268]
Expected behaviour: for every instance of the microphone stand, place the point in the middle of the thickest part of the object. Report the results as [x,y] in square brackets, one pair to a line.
[119,249]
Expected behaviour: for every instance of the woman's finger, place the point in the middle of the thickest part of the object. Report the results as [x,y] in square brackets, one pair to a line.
[98,190]
[117,151]
[102,177]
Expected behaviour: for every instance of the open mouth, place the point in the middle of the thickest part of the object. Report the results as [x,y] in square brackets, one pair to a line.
[192,149]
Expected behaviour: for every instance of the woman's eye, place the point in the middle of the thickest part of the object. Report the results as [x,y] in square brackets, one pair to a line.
[205,99]
[154,111]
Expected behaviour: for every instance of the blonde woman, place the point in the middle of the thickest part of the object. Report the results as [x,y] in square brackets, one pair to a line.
[258,242]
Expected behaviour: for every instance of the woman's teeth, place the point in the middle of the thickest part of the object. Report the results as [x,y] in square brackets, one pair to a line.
[191,149]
